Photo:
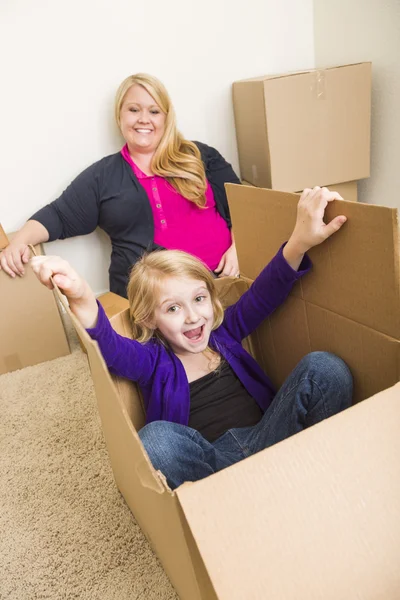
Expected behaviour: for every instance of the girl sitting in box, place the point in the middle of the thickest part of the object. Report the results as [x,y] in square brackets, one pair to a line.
[208,403]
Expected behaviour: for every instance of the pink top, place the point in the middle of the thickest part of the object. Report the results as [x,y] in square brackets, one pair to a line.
[179,224]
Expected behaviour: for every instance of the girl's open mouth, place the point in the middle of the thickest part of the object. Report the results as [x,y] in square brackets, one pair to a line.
[194,335]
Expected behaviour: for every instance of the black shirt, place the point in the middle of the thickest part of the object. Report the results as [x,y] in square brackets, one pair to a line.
[219,401]
[108,195]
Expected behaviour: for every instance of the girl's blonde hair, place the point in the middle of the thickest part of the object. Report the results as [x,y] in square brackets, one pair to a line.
[176,159]
[145,285]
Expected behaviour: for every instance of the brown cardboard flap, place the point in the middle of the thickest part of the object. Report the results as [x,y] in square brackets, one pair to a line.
[355,272]
[127,390]
[113,304]
[299,327]
[373,357]
[31,330]
[316,516]
[283,340]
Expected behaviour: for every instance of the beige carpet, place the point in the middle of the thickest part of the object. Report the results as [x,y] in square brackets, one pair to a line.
[65,530]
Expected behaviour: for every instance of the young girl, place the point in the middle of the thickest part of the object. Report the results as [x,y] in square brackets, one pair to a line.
[208,403]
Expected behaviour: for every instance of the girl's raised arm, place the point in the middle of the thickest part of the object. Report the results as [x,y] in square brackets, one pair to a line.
[310,228]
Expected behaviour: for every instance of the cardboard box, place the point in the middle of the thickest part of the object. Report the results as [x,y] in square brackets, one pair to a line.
[31,329]
[112,303]
[350,302]
[303,129]
[318,515]
[348,190]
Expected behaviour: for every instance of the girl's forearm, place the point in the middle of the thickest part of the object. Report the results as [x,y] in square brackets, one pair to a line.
[85,308]
[293,254]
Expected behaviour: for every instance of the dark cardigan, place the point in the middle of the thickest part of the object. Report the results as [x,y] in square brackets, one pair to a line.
[108,195]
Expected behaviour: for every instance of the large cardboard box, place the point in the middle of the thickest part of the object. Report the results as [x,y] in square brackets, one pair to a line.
[318,515]
[31,328]
[303,129]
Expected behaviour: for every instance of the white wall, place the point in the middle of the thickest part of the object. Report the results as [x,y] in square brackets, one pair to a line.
[62,63]
[349,31]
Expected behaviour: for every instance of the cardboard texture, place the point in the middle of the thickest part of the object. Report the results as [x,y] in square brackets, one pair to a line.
[350,302]
[112,303]
[303,129]
[348,190]
[31,329]
[318,515]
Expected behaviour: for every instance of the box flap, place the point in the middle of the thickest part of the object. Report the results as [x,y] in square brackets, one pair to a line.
[316,516]
[113,304]
[355,272]
[31,328]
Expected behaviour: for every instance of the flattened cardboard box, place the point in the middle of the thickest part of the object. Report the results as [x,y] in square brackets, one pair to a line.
[31,329]
[303,129]
[316,516]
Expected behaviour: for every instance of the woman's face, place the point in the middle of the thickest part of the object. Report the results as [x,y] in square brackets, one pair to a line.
[142,121]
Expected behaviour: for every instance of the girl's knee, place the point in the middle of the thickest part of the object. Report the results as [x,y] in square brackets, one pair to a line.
[335,370]
[162,441]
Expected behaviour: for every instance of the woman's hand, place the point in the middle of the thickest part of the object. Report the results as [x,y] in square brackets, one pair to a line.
[310,229]
[14,257]
[81,298]
[228,265]
[16,254]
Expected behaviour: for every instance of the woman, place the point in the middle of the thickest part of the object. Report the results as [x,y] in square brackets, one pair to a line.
[159,191]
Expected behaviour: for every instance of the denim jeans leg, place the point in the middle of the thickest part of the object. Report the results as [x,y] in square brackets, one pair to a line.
[320,386]
[183,454]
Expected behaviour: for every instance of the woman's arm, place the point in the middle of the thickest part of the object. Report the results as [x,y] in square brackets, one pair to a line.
[75,212]
[16,254]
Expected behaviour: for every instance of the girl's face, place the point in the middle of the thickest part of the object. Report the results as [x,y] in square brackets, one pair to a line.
[184,315]
[142,121]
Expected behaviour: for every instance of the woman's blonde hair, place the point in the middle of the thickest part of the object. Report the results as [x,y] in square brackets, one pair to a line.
[145,285]
[176,159]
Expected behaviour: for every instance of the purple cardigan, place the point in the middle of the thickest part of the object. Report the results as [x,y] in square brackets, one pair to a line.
[161,375]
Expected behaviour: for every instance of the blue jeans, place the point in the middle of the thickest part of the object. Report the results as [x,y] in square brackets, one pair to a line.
[320,386]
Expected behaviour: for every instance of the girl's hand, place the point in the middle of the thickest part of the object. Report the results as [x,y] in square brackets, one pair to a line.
[310,229]
[81,298]
[68,280]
